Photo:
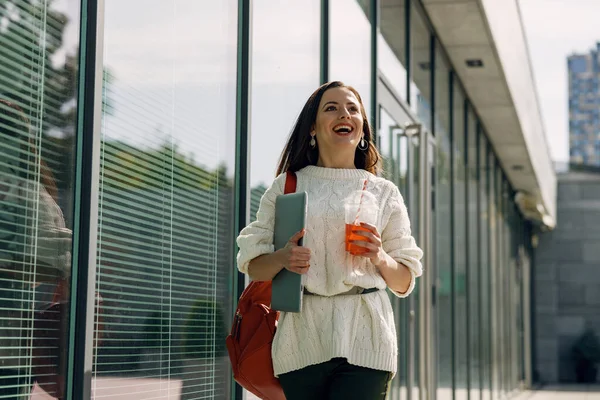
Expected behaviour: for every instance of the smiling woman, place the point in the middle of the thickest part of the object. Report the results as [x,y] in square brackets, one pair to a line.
[335,348]
[339,128]
[317,143]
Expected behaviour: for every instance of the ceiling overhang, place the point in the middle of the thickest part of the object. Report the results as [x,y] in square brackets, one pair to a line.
[502,92]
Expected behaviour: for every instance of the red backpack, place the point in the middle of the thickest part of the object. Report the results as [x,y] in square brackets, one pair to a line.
[249,342]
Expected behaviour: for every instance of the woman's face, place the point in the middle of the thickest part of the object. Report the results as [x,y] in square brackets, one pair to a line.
[339,123]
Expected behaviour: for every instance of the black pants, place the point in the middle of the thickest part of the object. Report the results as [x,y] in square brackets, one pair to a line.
[335,379]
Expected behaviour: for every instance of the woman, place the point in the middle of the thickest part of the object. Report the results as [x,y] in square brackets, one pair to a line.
[343,344]
[35,250]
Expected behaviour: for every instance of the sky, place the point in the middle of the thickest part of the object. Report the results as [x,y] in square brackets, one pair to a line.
[556,29]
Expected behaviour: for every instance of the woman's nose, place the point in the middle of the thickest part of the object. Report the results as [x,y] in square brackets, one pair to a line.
[344,113]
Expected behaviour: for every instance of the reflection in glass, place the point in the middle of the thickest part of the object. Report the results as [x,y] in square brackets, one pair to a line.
[518,231]
[493,215]
[484,257]
[460,246]
[285,71]
[501,257]
[510,327]
[38,99]
[420,86]
[391,46]
[350,46]
[474,266]
[393,146]
[415,297]
[166,200]
[443,232]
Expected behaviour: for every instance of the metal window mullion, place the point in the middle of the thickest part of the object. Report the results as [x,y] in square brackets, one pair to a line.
[478,139]
[454,336]
[499,275]
[324,46]
[87,180]
[242,153]
[374,17]
[468,265]
[488,190]
[408,49]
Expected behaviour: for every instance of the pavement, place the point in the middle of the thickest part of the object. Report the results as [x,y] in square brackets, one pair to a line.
[562,392]
[146,389]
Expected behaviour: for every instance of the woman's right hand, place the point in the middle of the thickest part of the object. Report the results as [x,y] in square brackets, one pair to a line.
[293,257]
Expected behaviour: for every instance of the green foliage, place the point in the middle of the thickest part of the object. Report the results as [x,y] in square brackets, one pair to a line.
[205,330]
[40,75]
[31,67]
[133,168]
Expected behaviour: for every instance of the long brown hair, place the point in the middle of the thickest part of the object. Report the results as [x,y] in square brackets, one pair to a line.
[298,153]
[13,122]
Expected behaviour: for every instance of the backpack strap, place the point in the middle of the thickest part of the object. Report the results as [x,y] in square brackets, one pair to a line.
[290,182]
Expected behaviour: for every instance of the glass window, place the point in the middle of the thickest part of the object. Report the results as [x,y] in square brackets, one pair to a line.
[166,198]
[443,220]
[350,48]
[39,47]
[394,147]
[484,262]
[519,231]
[494,258]
[414,199]
[474,307]
[505,297]
[511,308]
[391,48]
[285,72]
[420,84]
[461,245]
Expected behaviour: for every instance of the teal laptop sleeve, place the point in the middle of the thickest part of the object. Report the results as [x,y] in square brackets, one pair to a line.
[290,218]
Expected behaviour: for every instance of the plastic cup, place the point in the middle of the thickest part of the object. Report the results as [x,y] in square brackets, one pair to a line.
[360,207]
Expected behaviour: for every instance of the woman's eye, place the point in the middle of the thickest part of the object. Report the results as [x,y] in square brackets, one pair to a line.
[330,108]
[354,109]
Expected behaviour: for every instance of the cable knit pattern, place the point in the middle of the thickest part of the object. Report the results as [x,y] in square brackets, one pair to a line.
[358,327]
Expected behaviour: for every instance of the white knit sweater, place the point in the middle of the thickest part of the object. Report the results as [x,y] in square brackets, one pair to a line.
[359,328]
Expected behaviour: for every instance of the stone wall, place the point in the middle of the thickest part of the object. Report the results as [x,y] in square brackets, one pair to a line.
[567,277]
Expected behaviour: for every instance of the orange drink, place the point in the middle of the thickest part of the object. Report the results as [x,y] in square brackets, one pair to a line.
[359,207]
[353,233]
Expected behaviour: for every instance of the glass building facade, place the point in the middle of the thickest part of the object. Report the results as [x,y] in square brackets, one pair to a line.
[136,140]
[584,114]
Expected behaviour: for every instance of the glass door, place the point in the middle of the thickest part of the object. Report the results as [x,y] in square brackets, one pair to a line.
[394,147]
[408,160]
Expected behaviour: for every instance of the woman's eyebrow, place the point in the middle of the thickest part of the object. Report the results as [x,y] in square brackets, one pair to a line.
[351,103]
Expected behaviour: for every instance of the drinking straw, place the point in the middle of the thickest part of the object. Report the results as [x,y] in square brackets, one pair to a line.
[362,193]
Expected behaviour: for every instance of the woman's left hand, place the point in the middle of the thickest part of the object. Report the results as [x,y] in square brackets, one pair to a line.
[372,244]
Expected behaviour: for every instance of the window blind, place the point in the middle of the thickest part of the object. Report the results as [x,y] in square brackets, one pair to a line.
[37,103]
[165,260]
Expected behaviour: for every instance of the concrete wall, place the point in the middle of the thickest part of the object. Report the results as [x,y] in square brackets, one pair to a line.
[567,276]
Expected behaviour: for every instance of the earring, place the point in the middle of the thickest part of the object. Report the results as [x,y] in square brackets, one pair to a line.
[313,142]
[363,145]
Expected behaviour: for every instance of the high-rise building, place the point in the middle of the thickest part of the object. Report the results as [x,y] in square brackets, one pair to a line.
[584,107]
